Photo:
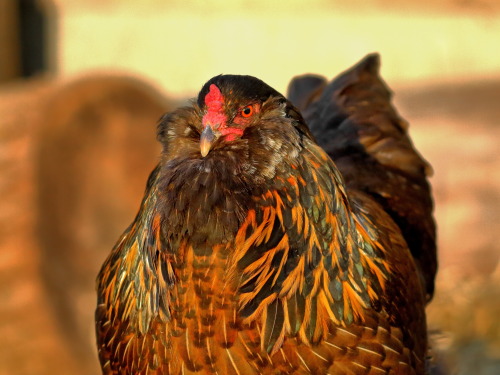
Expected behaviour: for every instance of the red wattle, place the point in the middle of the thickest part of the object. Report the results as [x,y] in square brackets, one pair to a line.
[231,133]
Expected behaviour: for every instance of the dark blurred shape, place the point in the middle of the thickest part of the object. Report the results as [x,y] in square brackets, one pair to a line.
[304,90]
[33,29]
[27,38]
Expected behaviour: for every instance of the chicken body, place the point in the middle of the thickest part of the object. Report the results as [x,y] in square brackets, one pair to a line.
[249,256]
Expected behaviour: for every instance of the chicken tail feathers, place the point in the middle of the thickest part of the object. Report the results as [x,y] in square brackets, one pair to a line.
[353,119]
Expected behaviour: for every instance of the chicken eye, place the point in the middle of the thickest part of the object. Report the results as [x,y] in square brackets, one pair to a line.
[247,111]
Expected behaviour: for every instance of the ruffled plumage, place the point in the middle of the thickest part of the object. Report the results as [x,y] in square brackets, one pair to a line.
[257,259]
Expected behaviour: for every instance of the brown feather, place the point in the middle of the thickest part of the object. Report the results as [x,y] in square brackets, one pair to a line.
[257,258]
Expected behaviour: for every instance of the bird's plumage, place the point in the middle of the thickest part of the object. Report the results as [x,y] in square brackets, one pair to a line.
[354,122]
[256,258]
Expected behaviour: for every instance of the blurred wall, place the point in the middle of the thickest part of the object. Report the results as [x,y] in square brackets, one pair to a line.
[9,41]
[181,44]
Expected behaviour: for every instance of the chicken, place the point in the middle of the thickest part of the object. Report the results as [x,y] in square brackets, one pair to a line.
[253,254]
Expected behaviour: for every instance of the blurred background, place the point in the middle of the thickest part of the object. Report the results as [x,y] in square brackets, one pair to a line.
[82,85]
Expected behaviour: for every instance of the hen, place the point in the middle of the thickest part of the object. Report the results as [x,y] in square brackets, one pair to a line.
[253,253]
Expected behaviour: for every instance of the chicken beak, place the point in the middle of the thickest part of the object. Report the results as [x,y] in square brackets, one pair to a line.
[207,138]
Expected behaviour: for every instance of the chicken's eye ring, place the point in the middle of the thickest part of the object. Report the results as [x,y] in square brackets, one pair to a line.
[246,111]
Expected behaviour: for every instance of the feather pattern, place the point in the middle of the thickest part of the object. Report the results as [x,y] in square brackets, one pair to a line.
[255,259]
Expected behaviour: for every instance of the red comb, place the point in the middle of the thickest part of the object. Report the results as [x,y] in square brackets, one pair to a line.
[214,99]
[215,113]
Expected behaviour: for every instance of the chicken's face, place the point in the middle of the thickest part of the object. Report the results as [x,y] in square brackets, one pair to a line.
[238,126]
[230,104]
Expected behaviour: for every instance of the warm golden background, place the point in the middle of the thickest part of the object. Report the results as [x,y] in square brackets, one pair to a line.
[77,140]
